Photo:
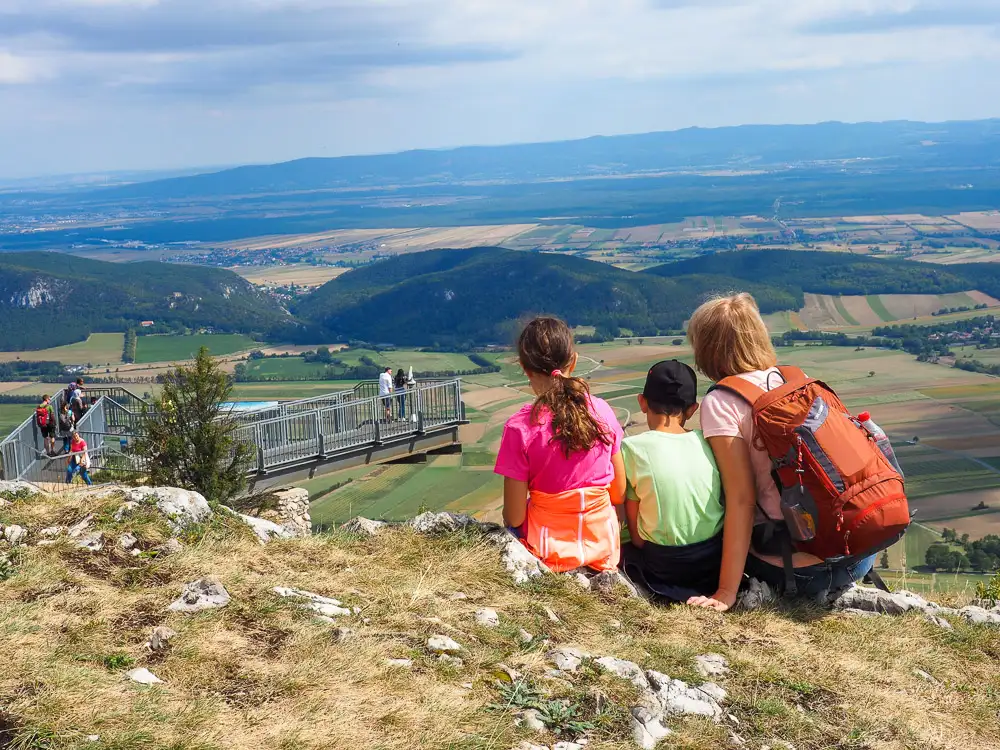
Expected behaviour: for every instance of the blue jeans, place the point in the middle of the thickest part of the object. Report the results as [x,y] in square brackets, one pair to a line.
[812,580]
[72,469]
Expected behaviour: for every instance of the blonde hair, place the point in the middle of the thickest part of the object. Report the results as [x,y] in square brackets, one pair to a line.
[729,337]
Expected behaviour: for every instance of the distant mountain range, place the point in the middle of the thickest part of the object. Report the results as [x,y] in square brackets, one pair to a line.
[743,147]
[50,299]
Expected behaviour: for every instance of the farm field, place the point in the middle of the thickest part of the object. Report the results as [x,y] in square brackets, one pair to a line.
[99,349]
[299,274]
[296,367]
[167,348]
[823,311]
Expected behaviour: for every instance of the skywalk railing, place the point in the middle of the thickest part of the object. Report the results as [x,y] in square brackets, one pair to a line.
[325,432]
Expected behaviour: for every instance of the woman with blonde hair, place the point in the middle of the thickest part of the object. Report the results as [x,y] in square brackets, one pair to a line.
[730,339]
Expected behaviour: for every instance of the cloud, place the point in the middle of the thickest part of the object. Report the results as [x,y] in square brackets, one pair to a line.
[180,82]
[888,16]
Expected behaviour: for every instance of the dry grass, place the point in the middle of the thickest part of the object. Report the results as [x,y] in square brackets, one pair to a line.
[262,674]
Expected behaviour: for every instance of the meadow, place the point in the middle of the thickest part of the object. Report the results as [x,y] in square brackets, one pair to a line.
[167,348]
[100,349]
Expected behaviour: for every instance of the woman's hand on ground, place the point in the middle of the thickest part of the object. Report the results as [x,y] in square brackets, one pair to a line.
[720,601]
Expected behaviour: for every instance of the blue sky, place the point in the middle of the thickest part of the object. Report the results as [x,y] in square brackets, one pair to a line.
[93,85]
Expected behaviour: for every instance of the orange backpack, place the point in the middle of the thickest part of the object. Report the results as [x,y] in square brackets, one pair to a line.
[842,494]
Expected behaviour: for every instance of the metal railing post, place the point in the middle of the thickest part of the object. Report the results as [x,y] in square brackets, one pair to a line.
[375,420]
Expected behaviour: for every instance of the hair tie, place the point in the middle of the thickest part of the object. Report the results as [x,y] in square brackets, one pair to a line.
[557,373]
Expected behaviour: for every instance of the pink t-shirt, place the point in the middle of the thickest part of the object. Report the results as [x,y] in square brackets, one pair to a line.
[528,453]
[724,414]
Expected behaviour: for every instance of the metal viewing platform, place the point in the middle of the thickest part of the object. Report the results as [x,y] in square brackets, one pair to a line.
[291,440]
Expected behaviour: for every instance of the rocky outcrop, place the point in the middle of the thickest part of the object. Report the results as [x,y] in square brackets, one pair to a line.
[182,508]
[292,511]
[17,487]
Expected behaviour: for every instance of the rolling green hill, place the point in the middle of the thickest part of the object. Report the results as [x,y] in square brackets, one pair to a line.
[476,296]
[50,299]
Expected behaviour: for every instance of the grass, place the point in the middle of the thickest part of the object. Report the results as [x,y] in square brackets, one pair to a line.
[286,367]
[72,620]
[11,416]
[878,307]
[167,348]
[98,349]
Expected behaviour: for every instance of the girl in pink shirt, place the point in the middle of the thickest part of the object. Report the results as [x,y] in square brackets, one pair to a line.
[560,459]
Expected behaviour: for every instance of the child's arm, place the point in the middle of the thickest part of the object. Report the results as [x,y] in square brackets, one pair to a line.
[632,516]
[618,484]
[733,457]
[515,502]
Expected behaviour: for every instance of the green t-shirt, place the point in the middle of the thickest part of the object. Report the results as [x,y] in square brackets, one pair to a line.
[676,483]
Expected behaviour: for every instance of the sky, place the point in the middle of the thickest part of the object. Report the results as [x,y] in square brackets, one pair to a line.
[100,85]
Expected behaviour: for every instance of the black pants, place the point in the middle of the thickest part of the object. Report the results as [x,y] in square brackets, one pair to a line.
[676,573]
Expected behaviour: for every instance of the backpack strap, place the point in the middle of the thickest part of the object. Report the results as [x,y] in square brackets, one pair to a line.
[741,387]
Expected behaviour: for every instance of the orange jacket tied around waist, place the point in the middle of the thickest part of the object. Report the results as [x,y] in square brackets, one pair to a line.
[572,529]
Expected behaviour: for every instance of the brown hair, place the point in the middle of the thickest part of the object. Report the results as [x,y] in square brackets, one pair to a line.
[545,346]
[729,337]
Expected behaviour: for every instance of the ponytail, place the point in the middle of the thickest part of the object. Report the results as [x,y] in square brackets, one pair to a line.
[546,347]
[573,424]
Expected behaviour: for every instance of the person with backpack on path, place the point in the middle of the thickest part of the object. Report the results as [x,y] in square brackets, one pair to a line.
[810,496]
[399,386]
[74,397]
[560,458]
[66,426]
[45,421]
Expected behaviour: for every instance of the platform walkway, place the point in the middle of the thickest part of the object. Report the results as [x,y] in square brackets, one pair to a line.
[293,439]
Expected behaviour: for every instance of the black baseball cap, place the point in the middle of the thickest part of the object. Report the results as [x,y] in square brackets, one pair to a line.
[671,383]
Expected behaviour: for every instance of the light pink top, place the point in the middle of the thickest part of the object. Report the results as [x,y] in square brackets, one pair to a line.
[724,414]
[528,453]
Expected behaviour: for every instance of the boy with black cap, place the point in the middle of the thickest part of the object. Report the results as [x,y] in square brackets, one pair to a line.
[674,493]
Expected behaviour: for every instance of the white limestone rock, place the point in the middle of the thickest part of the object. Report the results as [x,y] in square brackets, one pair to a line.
[521,564]
[127,541]
[567,659]
[143,676]
[678,698]
[627,670]
[450,661]
[439,523]
[264,530]
[364,527]
[939,621]
[182,508]
[529,746]
[882,602]
[980,616]
[159,641]
[606,582]
[293,511]
[925,676]
[487,618]
[711,665]
[94,541]
[80,527]
[203,594]
[531,719]
[647,728]
[321,605]
[400,663]
[15,534]
[524,637]
[442,644]
[570,745]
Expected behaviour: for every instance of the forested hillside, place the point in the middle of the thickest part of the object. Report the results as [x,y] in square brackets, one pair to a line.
[796,272]
[50,299]
[452,297]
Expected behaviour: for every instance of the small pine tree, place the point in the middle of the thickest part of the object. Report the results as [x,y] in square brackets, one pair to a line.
[188,436]
[884,561]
